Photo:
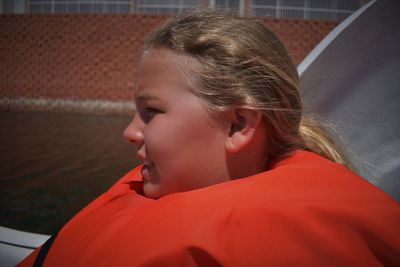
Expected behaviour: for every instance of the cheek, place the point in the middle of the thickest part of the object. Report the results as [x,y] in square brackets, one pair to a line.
[174,132]
[161,135]
[163,142]
[183,149]
[196,156]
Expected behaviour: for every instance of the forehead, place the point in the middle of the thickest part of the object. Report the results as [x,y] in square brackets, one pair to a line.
[161,65]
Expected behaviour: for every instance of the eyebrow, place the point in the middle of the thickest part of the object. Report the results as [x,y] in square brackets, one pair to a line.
[142,97]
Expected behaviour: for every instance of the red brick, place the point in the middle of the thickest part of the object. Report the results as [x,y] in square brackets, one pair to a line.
[95,56]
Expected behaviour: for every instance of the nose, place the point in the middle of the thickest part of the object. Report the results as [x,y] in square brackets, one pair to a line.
[133,133]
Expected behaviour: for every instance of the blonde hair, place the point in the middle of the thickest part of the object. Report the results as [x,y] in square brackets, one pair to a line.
[243,64]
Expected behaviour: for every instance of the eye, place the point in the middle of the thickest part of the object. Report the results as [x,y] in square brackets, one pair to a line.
[148,113]
[152,111]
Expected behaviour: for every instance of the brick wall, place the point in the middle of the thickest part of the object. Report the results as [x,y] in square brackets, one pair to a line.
[95,56]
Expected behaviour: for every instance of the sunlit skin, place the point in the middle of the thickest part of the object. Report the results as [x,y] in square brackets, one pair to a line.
[181,145]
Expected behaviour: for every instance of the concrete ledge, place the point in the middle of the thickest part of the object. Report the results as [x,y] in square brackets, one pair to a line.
[67,105]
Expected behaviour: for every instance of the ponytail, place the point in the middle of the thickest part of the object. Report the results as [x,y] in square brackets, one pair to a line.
[316,139]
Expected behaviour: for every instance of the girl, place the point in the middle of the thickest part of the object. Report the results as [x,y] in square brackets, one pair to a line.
[232,174]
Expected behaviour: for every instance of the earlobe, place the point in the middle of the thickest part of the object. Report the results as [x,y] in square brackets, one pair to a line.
[244,124]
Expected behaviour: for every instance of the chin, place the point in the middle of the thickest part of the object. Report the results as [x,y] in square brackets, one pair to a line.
[152,191]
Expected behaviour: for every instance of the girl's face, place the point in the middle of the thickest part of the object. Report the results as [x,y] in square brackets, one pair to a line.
[181,146]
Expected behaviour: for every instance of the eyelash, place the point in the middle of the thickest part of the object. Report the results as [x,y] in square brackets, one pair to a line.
[151,110]
[148,113]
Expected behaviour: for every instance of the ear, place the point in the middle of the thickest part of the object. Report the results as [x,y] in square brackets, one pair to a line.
[243,126]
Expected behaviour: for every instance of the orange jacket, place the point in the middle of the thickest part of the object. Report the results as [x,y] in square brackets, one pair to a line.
[305,211]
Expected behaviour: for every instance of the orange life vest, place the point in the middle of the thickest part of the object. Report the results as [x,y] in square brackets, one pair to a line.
[305,211]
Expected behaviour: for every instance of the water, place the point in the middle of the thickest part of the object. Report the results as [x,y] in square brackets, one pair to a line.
[53,164]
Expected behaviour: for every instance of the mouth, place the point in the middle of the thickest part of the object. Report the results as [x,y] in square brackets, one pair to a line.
[148,163]
[146,169]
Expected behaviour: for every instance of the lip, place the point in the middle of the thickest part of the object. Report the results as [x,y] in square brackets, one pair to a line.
[147,169]
[147,163]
